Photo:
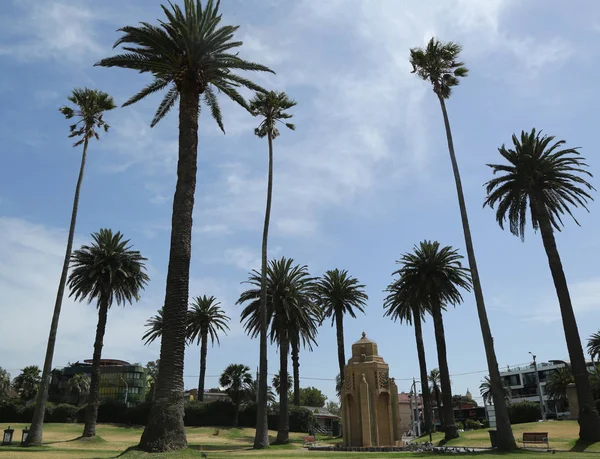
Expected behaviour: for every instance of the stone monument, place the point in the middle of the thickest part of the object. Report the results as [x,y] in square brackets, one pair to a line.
[370,412]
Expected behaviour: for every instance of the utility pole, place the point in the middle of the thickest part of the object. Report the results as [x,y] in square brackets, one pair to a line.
[541,395]
[256,383]
[412,413]
[418,417]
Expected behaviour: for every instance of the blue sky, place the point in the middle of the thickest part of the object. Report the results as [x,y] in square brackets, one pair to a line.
[365,176]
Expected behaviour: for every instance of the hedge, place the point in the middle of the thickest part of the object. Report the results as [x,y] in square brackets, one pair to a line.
[218,413]
[522,412]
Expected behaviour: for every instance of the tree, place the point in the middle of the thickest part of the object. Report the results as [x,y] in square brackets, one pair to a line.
[485,390]
[192,56]
[236,380]
[291,311]
[459,400]
[433,276]
[403,303]
[556,386]
[90,105]
[311,396]
[340,294]
[79,384]
[4,383]
[253,393]
[205,318]
[152,376]
[439,64]
[271,108]
[334,408]
[593,346]
[548,179]
[107,271]
[338,386]
[276,382]
[434,379]
[28,382]
[154,327]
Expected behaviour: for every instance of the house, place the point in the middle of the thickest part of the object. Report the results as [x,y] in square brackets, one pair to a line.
[404,408]
[211,395]
[324,418]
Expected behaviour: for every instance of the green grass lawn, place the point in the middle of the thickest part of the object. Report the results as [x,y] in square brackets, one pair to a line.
[117,441]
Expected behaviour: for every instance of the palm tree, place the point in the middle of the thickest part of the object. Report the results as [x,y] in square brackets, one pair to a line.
[548,179]
[271,108]
[27,384]
[79,384]
[291,310]
[106,271]
[154,325]
[253,393]
[485,389]
[431,277]
[556,386]
[90,105]
[339,294]
[434,379]
[205,318]
[277,385]
[4,383]
[593,346]
[402,303]
[439,64]
[236,380]
[191,55]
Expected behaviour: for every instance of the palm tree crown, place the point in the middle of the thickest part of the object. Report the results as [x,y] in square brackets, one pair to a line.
[435,275]
[339,293]
[271,106]
[154,327]
[485,389]
[593,345]
[236,380]
[108,270]
[91,105]
[438,63]
[188,51]
[205,316]
[541,175]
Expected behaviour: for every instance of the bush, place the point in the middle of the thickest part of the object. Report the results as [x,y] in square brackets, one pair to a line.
[112,411]
[10,411]
[301,419]
[138,414]
[64,413]
[218,413]
[472,424]
[521,412]
[485,423]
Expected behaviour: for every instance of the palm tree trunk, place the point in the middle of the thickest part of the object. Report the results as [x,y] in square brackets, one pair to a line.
[203,352]
[165,430]
[505,438]
[339,326]
[296,366]
[423,368]
[283,432]
[440,340]
[589,421]
[438,401]
[91,411]
[37,422]
[261,438]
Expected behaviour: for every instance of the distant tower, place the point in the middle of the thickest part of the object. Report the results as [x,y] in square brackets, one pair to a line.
[370,411]
[468,395]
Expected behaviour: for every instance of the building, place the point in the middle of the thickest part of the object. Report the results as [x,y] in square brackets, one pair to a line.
[325,420]
[523,386]
[119,380]
[404,406]
[210,395]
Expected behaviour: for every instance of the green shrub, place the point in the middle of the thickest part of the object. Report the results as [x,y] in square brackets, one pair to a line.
[472,424]
[485,423]
[10,411]
[113,411]
[138,414]
[301,419]
[64,413]
[522,412]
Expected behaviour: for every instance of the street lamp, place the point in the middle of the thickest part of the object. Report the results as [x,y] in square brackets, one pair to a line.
[537,380]
[24,434]
[126,389]
[7,438]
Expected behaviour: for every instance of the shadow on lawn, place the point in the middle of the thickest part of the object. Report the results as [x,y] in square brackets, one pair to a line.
[580,446]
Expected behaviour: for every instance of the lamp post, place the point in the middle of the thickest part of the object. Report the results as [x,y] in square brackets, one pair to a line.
[24,434]
[428,427]
[126,389]
[7,438]
[539,386]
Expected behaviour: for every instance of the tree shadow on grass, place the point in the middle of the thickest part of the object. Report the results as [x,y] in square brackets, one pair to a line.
[580,446]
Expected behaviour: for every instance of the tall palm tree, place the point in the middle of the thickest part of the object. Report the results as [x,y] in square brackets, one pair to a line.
[253,393]
[434,379]
[192,56]
[439,64]
[271,108]
[205,318]
[27,383]
[339,294]
[277,382]
[485,389]
[90,105]
[548,179]
[403,303]
[556,386]
[79,384]
[4,383]
[236,380]
[291,309]
[154,327]
[431,277]
[107,271]
[593,345]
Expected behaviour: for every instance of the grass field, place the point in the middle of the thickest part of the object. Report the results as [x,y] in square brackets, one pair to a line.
[116,441]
